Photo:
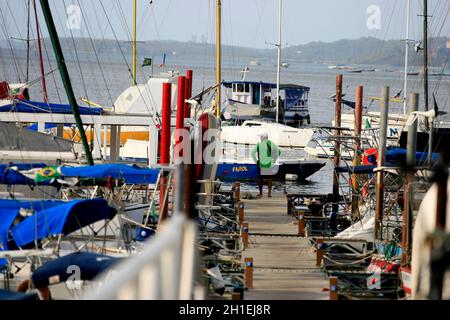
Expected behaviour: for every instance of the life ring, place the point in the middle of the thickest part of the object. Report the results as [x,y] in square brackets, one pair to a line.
[44,293]
[370,156]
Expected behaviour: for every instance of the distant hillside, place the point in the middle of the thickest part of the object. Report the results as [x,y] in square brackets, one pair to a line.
[370,51]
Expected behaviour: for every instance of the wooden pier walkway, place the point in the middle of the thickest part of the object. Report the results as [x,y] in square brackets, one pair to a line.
[283,267]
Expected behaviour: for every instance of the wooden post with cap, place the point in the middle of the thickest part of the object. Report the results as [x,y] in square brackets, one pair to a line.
[319,252]
[241,211]
[334,292]
[301,223]
[245,234]
[249,273]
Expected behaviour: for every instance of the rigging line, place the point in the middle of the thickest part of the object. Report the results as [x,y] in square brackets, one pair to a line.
[158,37]
[76,55]
[5,31]
[209,26]
[93,136]
[97,56]
[64,44]
[124,20]
[44,44]
[260,13]
[233,66]
[129,69]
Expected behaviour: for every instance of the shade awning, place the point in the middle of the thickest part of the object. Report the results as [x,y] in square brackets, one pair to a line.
[61,218]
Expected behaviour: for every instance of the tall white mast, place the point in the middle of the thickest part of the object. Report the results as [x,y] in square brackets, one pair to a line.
[279,60]
[134,42]
[218,58]
[405,81]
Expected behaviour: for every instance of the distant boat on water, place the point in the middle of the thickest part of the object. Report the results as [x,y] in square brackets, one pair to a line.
[340,67]
[255,62]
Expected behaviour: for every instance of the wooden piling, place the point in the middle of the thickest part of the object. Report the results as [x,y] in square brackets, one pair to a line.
[334,293]
[408,195]
[319,252]
[237,191]
[357,155]
[249,273]
[337,144]
[236,296]
[241,207]
[245,234]
[384,111]
[289,204]
[301,223]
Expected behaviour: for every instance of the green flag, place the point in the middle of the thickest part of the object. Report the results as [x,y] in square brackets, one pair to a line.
[368,125]
[147,62]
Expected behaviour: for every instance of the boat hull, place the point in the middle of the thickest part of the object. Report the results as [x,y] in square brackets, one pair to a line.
[250,171]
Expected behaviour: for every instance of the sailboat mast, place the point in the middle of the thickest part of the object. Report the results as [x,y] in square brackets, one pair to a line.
[41,60]
[134,40]
[425,52]
[279,61]
[28,41]
[65,77]
[218,58]
[405,81]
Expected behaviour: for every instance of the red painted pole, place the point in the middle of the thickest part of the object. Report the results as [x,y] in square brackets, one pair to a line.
[188,93]
[164,148]
[165,124]
[180,109]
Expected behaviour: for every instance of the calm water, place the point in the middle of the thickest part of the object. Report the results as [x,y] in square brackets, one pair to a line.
[103,85]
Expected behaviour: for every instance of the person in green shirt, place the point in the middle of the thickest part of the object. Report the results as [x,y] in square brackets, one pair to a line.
[265,155]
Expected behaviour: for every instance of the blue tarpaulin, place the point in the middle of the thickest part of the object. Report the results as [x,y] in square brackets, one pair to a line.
[89,264]
[132,174]
[43,107]
[9,209]
[61,218]
[398,155]
[12,177]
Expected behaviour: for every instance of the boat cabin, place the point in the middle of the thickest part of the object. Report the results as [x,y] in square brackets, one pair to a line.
[294,99]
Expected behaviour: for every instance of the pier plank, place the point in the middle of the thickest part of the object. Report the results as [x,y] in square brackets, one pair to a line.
[284,267]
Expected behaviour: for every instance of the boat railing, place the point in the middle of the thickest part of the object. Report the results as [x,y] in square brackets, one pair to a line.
[166,269]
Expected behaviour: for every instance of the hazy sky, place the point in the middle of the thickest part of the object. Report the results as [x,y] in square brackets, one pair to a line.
[244,22]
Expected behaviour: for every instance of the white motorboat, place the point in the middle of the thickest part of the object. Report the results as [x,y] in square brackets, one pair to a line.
[282,135]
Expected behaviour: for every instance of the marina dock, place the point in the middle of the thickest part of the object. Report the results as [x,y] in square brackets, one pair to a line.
[283,266]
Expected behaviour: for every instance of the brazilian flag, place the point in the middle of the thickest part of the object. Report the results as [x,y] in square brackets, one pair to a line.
[147,62]
[47,174]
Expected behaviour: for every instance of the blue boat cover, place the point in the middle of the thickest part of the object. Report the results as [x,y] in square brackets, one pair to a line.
[10,295]
[90,265]
[9,209]
[132,174]
[12,177]
[61,218]
[396,155]
[43,107]
[362,169]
